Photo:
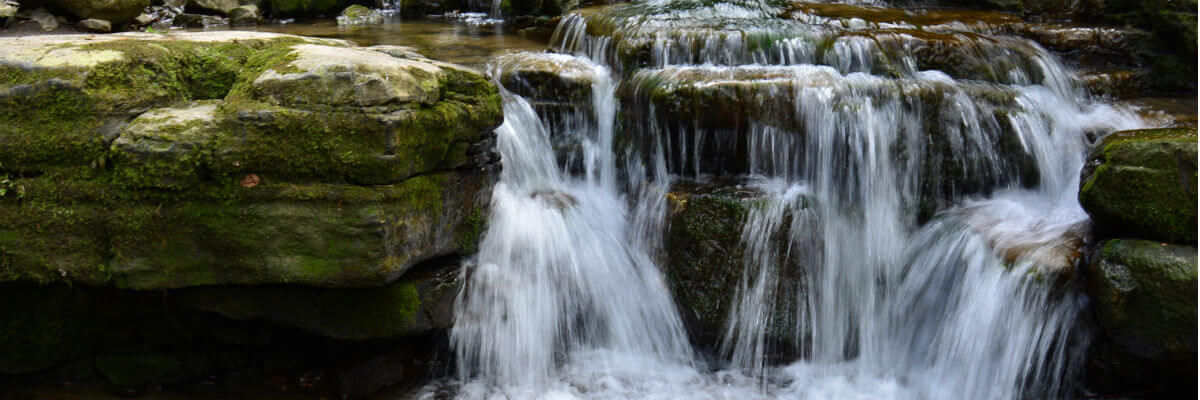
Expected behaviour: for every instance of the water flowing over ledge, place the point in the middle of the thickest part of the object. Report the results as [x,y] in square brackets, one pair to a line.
[916,207]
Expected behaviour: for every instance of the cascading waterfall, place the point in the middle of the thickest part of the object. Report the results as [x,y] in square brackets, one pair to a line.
[928,208]
[561,270]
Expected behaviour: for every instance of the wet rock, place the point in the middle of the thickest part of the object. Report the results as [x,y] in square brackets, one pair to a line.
[1143,184]
[705,261]
[357,15]
[708,119]
[95,25]
[547,77]
[221,7]
[115,11]
[245,15]
[1145,298]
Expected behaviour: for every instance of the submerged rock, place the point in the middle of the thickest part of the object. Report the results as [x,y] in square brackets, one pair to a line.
[1143,184]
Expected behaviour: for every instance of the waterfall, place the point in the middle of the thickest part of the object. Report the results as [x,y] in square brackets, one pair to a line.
[919,183]
[561,271]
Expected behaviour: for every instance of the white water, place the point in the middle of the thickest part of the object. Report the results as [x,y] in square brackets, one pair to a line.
[566,300]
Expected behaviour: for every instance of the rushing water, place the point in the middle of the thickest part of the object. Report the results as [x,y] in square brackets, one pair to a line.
[848,138]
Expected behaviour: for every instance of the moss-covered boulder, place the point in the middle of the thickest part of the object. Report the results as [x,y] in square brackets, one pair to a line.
[169,161]
[1143,184]
[1145,297]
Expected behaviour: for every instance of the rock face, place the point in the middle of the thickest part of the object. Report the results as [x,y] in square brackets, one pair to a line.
[1140,189]
[1143,184]
[302,162]
[304,182]
[706,259]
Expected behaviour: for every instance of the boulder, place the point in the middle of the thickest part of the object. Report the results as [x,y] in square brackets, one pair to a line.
[116,11]
[167,161]
[95,25]
[44,20]
[1144,294]
[245,15]
[1143,184]
[221,7]
[357,15]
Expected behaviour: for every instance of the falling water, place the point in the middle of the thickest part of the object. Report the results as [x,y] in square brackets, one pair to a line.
[927,207]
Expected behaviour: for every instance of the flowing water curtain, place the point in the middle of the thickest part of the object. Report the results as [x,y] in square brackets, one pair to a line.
[900,166]
[561,270]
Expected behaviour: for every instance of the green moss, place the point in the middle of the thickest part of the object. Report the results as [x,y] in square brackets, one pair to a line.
[1143,184]
[1146,295]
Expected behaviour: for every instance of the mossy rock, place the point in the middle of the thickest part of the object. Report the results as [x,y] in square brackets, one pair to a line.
[705,260]
[1143,184]
[1145,296]
[63,101]
[315,235]
[165,147]
[243,170]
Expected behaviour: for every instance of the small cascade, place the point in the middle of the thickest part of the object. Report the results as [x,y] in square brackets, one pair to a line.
[914,239]
[562,273]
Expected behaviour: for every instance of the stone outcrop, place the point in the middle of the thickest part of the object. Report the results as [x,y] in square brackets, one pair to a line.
[1143,184]
[1140,189]
[270,159]
[304,182]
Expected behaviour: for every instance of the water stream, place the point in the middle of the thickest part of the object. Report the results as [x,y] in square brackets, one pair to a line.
[930,213]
